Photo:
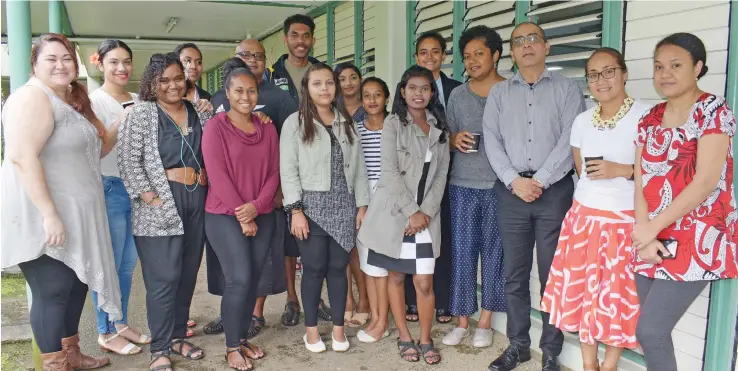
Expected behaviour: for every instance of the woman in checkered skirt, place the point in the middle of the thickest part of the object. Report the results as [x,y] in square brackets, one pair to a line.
[402,226]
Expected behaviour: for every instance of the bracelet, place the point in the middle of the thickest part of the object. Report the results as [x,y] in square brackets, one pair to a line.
[296,211]
[152,200]
[297,205]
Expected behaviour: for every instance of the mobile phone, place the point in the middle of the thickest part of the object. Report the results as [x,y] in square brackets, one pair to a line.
[671,246]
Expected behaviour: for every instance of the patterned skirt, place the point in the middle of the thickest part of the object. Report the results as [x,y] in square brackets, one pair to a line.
[591,286]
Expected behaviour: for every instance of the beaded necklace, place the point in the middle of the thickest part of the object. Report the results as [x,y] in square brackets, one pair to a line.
[610,123]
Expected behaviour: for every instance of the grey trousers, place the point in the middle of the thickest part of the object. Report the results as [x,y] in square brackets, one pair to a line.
[523,227]
[663,303]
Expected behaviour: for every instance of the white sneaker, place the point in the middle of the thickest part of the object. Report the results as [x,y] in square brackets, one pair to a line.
[483,338]
[340,346]
[456,336]
[318,347]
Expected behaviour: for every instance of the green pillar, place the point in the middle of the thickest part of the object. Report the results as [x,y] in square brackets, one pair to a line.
[358,32]
[612,24]
[331,32]
[721,326]
[19,41]
[522,7]
[459,27]
[19,47]
[410,40]
[55,16]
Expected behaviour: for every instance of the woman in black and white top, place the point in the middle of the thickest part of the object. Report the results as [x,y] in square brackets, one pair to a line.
[402,228]
[160,162]
[375,96]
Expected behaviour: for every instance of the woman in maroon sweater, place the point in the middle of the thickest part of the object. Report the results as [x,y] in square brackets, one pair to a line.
[242,158]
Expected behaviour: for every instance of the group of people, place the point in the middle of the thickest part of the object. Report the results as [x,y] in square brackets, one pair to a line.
[301,159]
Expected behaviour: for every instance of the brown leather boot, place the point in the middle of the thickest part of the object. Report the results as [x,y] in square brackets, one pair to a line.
[78,360]
[56,361]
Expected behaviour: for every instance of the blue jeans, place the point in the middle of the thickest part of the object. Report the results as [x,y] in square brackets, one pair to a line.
[124,249]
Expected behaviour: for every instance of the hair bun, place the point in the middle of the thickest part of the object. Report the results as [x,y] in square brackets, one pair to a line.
[703,72]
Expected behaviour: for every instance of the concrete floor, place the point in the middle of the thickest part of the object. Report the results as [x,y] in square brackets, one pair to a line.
[284,347]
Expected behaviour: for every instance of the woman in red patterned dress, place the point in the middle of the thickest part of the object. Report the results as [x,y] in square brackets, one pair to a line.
[685,230]
[591,287]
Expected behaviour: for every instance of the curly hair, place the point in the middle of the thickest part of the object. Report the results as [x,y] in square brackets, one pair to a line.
[158,63]
[298,19]
[490,37]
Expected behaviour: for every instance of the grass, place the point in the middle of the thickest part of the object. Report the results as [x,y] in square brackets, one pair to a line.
[14,355]
[13,286]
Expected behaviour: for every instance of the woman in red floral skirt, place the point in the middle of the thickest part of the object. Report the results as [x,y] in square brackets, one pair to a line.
[591,287]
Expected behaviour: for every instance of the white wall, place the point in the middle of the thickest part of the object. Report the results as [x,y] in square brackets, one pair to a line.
[390,34]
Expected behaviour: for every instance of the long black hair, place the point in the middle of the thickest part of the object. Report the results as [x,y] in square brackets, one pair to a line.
[307,111]
[399,107]
[382,84]
[158,63]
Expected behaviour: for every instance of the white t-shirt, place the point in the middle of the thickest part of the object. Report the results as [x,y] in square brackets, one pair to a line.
[108,110]
[616,145]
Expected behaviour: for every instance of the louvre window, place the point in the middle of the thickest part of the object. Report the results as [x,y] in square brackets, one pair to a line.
[344,33]
[574,31]
[320,48]
[370,22]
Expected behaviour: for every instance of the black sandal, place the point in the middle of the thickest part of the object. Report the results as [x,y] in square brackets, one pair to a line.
[189,355]
[443,313]
[214,327]
[428,348]
[249,346]
[324,312]
[257,324]
[291,316]
[158,355]
[412,310]
[251,367]
[405,346]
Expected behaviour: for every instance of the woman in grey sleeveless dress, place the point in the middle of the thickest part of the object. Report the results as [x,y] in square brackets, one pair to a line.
[54,224]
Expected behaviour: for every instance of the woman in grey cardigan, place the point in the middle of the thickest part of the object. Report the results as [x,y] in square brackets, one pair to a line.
[402,228]
[326,192]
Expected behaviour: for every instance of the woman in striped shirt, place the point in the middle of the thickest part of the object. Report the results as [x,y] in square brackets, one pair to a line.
[374,97]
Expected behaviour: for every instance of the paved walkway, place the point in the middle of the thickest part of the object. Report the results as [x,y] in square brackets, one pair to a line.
[284,347]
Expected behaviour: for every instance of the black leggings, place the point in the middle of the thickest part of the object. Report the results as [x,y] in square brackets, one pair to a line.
[242,259]
[58,299]
[323,258]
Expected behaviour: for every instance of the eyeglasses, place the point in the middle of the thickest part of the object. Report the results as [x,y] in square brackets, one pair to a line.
[607,73]
[257,56]
[532,39]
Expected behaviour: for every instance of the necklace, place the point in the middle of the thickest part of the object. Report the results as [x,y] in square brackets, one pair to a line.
[610,123]
[183,129]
